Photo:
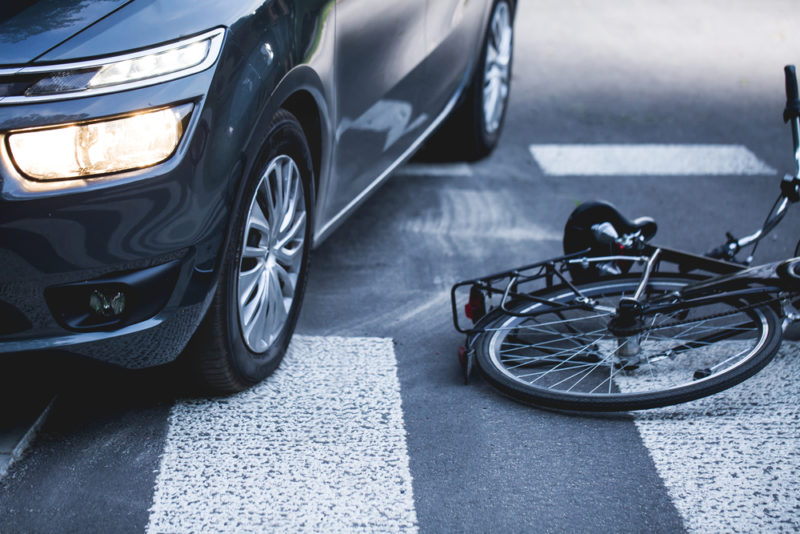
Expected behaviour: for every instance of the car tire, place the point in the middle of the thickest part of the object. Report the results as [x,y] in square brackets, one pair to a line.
[473,129]
[252,316]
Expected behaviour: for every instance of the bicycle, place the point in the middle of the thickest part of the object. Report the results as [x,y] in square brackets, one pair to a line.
[619,324]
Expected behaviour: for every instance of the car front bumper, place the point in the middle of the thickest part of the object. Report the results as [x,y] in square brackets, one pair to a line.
[165,224]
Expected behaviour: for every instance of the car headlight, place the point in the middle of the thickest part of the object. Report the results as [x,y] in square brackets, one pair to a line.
[118,73]
[99,147]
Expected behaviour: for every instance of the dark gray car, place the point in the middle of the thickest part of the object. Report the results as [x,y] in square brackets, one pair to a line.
[166,165]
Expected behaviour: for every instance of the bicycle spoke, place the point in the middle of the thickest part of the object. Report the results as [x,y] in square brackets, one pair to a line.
[519,326]
[533,358]
[567,326]
[644,341]
[546,343]
[585,373]
[724,362]
[562,363]
[571,366]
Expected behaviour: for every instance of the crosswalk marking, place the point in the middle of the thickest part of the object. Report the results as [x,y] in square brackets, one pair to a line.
[319,446]
[648,160]
[730,461]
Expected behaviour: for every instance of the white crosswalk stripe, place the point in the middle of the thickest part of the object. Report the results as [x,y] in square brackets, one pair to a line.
[730,461]
[648,160]
[320,446]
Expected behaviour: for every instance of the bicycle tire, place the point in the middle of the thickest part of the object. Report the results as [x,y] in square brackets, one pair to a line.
[575,348]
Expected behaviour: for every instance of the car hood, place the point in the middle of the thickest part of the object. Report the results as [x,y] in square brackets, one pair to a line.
[29,28]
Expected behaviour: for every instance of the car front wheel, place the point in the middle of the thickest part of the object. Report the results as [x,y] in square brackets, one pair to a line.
[255,308]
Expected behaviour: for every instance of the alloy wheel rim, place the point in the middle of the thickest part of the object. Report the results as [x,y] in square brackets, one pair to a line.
[497,70]
[272,254]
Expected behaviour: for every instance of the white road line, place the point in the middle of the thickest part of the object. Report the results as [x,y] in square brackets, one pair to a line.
[17,440]
[444,169]
[731,462]
[319,446]
[648,160]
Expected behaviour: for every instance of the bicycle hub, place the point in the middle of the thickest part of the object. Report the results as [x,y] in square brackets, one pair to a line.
[627,319]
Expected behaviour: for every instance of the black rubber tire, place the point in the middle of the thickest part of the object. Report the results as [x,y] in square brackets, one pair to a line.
[220,359]
[464,135]
[492,326]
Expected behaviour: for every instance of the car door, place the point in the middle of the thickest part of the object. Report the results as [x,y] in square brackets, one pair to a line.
[453,38]
[380,48]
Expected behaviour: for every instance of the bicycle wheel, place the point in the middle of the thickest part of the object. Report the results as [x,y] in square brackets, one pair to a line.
[569,359]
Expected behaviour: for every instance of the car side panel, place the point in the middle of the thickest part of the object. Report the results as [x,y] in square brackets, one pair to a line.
[455,31]
[379,79]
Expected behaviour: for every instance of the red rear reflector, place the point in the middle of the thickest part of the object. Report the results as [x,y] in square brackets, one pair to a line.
[476,307]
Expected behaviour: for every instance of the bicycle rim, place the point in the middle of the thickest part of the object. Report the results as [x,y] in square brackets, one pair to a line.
[570,360]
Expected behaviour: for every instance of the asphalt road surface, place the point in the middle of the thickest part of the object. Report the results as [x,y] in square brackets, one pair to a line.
[368,426]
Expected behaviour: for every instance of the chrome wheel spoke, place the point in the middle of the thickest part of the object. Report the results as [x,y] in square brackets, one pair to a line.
[286,282]
[249,303]
[254,252]
[276,305]
[290,209]
[248,281]
[265,194]
[288,249]
[258,221]
[255,327]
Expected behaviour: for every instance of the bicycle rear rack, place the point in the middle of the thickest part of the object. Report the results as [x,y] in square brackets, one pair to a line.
[513,285]
[522,283]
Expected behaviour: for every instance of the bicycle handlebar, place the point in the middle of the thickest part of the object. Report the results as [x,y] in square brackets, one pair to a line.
[790,186]
[792,110]
[791,82]
[791,113]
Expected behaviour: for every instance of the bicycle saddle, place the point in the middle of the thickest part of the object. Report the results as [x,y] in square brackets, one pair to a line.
[578,230]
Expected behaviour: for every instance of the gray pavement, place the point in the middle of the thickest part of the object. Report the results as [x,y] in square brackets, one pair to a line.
[623,72]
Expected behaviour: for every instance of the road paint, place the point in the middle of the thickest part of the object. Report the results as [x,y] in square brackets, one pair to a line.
[319,446]
[648,160]
[444,169]
[15,441]
[731,462]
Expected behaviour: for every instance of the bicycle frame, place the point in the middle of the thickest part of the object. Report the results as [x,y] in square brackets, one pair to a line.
[720,280]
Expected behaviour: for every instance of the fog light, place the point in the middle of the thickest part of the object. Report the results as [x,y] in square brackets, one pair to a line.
[107,304]
[100,147]
[112,301]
